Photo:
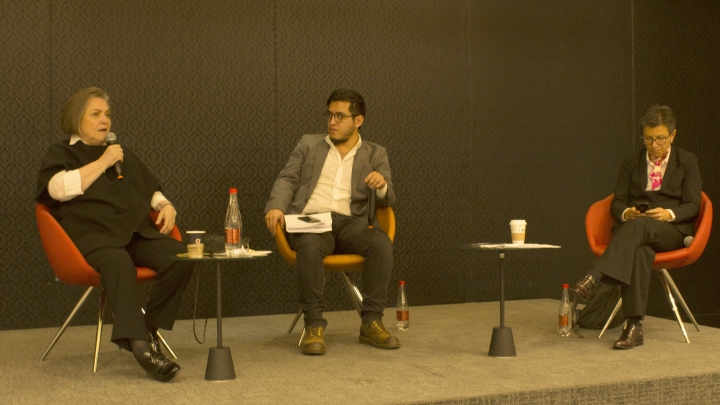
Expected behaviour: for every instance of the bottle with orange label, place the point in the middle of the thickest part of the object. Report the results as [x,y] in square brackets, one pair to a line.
[564,313]
[403,309]
[233,224]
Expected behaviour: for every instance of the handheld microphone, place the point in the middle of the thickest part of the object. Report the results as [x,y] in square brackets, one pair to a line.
[111,139]
[371,208]
[688,240]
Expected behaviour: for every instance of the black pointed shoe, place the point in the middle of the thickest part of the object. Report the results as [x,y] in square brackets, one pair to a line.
[632,335]
[584,286]
[158,366]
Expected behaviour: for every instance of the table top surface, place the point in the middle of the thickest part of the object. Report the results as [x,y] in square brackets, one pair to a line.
[210,257]
[507,246]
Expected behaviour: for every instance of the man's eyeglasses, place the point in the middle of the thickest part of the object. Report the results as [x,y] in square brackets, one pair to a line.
[660,140]
[338,116]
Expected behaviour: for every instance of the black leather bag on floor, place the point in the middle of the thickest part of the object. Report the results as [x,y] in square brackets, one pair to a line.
[599,307]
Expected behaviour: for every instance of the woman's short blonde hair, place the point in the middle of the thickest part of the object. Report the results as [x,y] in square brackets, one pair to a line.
[74,108]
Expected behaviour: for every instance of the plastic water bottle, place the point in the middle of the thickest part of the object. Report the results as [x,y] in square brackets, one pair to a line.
[403,309]
[233,224]
[564,314]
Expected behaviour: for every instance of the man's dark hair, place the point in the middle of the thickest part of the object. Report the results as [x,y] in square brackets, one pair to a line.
[659,115]
[357,103]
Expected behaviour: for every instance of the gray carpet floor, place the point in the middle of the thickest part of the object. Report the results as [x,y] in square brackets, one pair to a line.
[443,359]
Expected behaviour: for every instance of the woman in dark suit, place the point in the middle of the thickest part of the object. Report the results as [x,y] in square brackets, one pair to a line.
[657,198]
[106,216]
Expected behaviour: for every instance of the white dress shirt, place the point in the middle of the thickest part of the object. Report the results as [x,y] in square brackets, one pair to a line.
[66,185]
[333,190]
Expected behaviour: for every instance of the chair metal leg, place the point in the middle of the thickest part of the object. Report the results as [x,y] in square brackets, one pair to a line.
[354,292]
[162,339]
[295,321]
[98,334]
[67,322]
[614,312]
[164,343]
[664,273]
[674,307]
[302,336]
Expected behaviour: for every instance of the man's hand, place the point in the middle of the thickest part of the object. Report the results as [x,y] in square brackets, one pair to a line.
[661,214]
[375,180]
[272,218]
[166,216]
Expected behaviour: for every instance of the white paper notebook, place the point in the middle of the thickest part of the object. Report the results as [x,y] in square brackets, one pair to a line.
[308,223]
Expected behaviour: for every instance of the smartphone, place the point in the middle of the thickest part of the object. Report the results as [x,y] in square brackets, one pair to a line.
[309,219]
[642,206]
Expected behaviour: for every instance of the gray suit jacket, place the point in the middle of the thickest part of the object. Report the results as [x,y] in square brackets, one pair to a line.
[296,182]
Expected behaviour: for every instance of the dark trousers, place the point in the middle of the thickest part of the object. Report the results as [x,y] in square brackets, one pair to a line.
[119,280]
[627,261]
[349,236]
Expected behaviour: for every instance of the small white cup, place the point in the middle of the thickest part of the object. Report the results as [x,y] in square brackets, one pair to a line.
[195,243]
[517,231]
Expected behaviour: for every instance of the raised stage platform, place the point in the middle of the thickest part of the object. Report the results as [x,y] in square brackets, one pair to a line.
[443,360]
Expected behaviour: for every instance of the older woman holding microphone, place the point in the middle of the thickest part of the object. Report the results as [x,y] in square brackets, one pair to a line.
[106,216]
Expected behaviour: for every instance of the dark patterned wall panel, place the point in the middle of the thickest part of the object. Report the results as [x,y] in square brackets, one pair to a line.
[489,109]
[677,61]
[24,123]
[409,60]
[550,110]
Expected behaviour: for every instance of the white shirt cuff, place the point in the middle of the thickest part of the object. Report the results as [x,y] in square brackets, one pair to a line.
[622,216]
[157,198]
[65,185]
[672,215]
[382,192]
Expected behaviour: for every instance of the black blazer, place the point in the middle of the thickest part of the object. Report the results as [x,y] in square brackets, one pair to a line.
[680,190]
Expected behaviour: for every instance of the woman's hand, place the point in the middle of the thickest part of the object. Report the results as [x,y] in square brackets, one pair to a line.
[633,213]
[661,214]
[112,155]
[166,217]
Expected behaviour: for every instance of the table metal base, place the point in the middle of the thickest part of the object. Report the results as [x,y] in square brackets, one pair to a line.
[220,365]
[502,343]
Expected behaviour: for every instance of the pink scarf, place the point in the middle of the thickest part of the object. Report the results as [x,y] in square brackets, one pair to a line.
[656,175]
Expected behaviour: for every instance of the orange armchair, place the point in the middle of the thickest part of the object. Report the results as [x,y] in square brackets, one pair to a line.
[598,226]
[338,263]
[70,267]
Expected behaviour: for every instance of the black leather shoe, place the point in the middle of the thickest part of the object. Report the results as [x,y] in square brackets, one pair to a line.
[155,344]
[158,366]
[584,286]
[632,335]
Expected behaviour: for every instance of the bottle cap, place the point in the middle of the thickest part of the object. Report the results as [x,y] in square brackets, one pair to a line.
[233,190]
[401,282]
[566,285]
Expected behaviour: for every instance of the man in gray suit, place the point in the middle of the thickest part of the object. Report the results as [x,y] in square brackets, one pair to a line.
[334,173]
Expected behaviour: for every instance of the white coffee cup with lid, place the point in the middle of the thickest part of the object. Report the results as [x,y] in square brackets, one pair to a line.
[517,231]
